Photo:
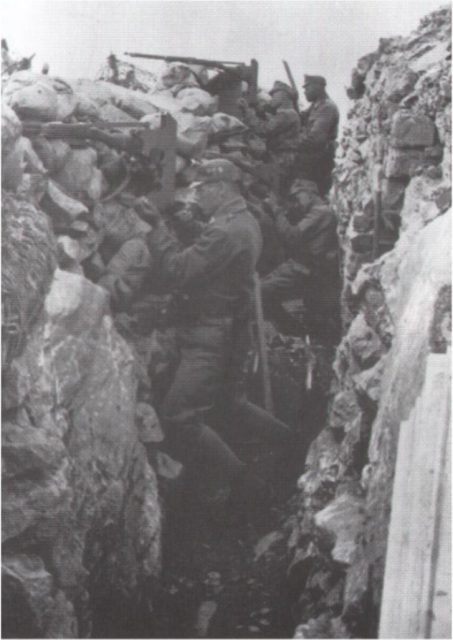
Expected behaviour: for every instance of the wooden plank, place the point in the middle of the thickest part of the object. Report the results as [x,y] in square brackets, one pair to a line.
[417,569]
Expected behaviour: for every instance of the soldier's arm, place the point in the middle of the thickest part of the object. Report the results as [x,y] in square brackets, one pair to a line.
[316,138]
[196,264]
[281,122]
[297,236]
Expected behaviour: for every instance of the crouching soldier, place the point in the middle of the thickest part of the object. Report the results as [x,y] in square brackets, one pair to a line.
[214,280]
[311,270]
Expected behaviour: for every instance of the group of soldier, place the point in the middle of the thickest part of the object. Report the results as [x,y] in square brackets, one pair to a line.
[208,255]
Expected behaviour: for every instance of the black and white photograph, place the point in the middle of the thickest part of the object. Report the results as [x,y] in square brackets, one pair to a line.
[226,319]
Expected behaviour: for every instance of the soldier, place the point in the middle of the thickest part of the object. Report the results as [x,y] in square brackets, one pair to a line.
[214,280]
[280,129]
[311,270]
[316,148]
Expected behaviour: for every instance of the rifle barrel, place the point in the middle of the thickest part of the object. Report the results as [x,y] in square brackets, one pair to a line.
[197,61]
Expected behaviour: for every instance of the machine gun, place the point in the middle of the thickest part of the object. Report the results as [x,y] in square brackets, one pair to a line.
[227,85]
[155,146]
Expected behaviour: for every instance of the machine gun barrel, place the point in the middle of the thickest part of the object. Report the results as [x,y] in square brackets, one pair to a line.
[184,60]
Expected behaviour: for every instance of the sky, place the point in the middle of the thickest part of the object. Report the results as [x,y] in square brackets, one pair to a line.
[321,37]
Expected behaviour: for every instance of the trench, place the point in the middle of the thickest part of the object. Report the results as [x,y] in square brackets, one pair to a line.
[224,573]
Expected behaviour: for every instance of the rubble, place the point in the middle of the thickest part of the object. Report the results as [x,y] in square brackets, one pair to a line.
[392,280]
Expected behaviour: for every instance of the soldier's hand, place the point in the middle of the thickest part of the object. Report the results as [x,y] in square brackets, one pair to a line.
[147,210]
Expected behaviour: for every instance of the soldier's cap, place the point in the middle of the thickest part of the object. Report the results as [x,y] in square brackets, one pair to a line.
[217,170]
[319,80]
[282,86]
[301,184]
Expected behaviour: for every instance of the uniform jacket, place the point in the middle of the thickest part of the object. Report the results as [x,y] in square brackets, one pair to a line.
[313,241]
[216,272]
[320,127]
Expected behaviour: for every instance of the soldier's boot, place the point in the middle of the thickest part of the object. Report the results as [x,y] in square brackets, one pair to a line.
[248,492]
[259,422]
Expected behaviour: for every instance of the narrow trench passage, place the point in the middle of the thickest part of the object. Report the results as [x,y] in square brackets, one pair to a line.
[224,575]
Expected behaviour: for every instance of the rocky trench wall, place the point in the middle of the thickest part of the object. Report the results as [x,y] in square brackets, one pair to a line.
[80,503]
[396,149]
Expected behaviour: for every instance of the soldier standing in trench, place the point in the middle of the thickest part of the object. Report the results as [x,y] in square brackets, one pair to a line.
[317,139]
[311,271]
[213,279]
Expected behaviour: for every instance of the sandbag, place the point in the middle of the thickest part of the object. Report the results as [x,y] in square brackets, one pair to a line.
[197,101]
[61,208]
[134,103]
[192,132]
[99,93]
[86,108]
[53,153]
[127,75]
[80,176]
[32,162]
[37,101]
[178,74]
[163,101]
[110,113]
[35,96]
[224,123]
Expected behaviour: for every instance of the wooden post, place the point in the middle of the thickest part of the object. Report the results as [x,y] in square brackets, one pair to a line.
[416,600]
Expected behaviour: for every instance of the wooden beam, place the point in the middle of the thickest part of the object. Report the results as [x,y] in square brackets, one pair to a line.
[416,600]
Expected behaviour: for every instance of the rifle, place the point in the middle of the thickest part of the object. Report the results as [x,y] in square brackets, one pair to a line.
[157,146]
[210,64]
[228,86]
[293,84]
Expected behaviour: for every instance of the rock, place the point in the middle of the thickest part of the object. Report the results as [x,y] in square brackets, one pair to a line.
[364,343]
[77,433]
[197,101]
[11,129]
[343,519]
[343,410]
[398,79]
[29,261]
[33,603]
[148,424]
[167,467]
[80,176]
[393,191]
[62,209]
[369,382]
[31,96]
[265,543]
[410,130]
[68,253]
[53,153]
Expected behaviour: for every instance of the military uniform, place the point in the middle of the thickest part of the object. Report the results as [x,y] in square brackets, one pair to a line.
[214,280]
[311,272]
[317,141]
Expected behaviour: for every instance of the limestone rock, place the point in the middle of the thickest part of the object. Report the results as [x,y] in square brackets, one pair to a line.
[343,519]
[73,432]
[80,176]
[11,129]
[28,258]
[60,207]
[343,410]
[364,342]
[53,153]
[411,130]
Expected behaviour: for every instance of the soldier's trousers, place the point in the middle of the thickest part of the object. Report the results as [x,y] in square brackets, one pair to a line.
[293,280]
[202,374]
